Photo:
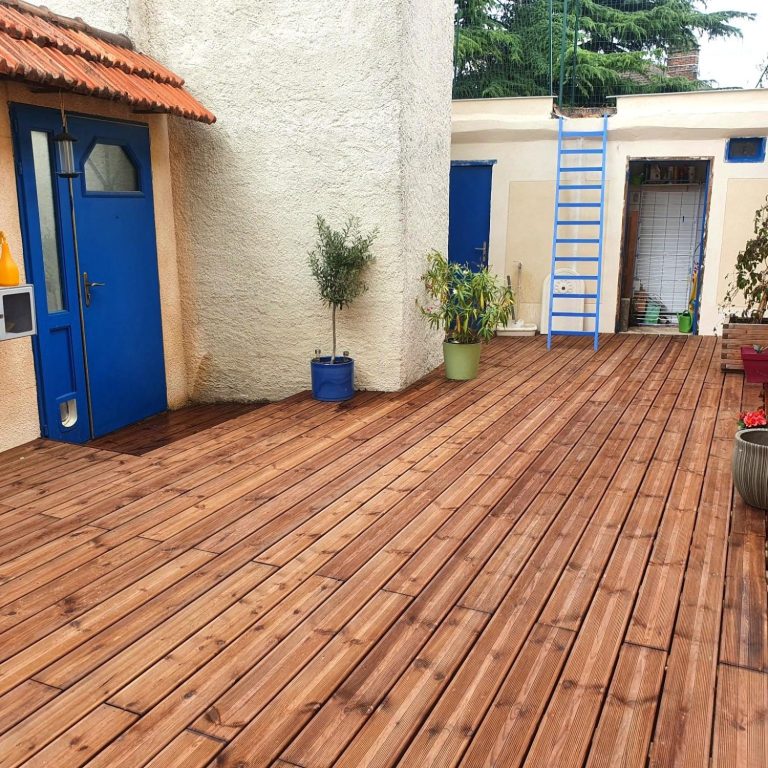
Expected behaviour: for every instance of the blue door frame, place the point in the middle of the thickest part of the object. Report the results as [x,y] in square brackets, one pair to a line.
[469,221]
[98,358]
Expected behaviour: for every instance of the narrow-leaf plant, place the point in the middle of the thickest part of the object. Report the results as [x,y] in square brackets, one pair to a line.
[469,306]
[338,262]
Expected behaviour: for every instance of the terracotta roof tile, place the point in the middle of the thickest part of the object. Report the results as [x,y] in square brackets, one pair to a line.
[41,47]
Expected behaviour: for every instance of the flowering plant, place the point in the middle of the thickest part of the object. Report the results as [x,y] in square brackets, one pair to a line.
[469,306]
[752,419]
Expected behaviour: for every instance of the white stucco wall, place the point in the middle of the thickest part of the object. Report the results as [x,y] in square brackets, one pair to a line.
[522,136]
[332,108]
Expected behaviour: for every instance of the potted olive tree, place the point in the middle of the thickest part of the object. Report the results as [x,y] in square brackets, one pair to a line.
[469,306]
[338,262]
[746,333]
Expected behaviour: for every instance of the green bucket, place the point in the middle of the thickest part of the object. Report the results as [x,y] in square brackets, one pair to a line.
[684,322]
[462,361]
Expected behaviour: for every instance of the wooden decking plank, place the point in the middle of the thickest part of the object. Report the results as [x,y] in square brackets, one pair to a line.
[187,750]
[690,681]
[463,462]
[39,612]
[83,740]
[579,694]
[36,656]
[744,639]
[623,733]
[251,627]
[741,723]
[353,705]
[447,730]
[343,648]
[563,518]
[263,738]
[21,701]
[191,604]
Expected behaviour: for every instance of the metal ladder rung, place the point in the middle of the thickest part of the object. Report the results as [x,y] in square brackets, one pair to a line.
[582,169]
[576,258]
[581,134]
[578,205]
[574,314]
[588,151]
[574,277]
[553,332]
[575,295]
[580,186]
[577,222]
[586,240]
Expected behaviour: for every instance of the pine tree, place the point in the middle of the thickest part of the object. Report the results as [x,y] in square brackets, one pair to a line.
[510,47]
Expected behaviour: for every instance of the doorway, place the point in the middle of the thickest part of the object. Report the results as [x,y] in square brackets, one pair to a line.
[469,217]
[90,252]
[663,245]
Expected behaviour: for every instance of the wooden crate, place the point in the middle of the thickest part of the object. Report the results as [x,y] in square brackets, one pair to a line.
[737,335]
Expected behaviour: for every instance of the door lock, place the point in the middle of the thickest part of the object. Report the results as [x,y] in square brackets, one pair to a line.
[87,285]
[484,254]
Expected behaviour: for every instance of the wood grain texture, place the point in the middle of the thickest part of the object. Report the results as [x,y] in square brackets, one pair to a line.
[542,566]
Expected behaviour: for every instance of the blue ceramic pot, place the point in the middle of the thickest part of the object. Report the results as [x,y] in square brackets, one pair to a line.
[333,382]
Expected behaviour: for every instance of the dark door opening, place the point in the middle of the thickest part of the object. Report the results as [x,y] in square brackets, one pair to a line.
[663,243]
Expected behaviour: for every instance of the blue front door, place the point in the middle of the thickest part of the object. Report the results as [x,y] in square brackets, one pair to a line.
[469,220]
[89,248]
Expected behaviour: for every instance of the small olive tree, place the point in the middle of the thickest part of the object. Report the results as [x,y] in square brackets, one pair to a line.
[338,262]
[751,276]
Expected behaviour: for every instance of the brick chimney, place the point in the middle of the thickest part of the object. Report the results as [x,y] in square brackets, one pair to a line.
[683,64]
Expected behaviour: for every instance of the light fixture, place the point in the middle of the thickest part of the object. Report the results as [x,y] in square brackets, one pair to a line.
[65,148]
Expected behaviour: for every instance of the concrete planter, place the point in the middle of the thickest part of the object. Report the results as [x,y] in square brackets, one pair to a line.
[750,466]
[738,335]
[462,361]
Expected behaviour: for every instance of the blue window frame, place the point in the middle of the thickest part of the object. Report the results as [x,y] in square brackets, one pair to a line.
[745,150]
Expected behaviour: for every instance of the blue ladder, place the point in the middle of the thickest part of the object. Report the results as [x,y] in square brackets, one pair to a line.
[568,180]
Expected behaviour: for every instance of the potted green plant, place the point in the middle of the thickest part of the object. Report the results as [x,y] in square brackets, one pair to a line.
[338,263]
[749,283]
[469,306]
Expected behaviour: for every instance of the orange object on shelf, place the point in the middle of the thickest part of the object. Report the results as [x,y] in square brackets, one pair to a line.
[9,269]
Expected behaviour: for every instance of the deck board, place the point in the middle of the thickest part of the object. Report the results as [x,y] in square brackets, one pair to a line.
[543,566]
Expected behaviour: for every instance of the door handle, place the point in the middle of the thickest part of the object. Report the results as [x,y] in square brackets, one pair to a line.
[87,285]
[484,251]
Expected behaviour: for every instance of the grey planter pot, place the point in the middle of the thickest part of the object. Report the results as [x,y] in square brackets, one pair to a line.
[750,466]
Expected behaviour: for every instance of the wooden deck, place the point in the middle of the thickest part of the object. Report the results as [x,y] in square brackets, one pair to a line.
[542,567]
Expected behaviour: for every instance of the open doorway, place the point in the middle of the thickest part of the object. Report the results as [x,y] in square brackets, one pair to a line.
[663,245]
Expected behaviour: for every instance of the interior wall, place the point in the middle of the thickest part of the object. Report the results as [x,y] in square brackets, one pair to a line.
[521,135]
[19,420]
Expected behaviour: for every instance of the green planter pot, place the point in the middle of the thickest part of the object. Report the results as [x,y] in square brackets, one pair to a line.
[750,466]
[462,361]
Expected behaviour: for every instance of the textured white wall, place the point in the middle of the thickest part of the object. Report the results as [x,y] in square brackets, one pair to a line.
[338,108]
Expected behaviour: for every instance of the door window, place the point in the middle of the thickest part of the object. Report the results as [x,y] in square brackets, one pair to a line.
[109,168]
[41,153]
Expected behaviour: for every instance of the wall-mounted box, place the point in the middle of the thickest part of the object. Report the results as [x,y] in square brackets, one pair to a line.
[17,312]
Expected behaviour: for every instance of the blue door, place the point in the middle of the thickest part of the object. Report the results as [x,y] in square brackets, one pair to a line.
[89,248]
[469,220]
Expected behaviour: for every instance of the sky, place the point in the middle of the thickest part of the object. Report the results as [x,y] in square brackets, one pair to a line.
[735,62]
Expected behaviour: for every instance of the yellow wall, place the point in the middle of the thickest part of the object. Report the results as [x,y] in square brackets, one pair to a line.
[19,420]
[521,135]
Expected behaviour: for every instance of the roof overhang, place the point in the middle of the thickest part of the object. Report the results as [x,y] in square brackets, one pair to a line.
[41,48]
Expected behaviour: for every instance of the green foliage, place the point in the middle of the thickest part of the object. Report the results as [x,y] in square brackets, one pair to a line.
[338,262]
[751,277]
[470,305]
[513,48]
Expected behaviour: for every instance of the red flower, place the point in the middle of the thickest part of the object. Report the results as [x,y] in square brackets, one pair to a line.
[756,418]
